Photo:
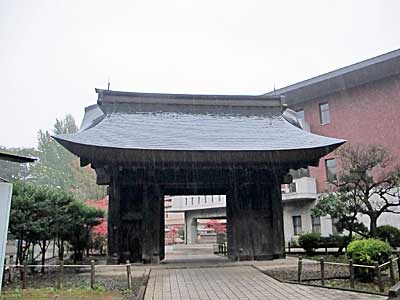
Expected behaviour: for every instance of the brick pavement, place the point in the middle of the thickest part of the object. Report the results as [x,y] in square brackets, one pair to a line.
[238,283]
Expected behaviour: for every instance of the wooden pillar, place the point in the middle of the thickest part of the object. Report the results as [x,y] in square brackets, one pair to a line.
[249,217]
[151,222]
[162,228]
[277,216]
[114,218]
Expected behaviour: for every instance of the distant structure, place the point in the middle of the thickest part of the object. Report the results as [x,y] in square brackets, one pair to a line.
[5,205]
[144,146]
[359,103]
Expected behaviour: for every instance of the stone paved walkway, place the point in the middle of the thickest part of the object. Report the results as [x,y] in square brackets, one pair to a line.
[239,283]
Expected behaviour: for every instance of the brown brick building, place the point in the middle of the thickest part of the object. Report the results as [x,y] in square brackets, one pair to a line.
[359,103]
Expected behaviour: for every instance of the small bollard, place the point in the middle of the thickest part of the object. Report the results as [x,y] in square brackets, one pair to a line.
[240,253]
[299,268]
[321,261]
[92,274]
[156,258]
[351,272]
[60,282]
[115,259]
[128,273]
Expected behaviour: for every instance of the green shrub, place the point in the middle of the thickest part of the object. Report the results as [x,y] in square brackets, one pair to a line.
[367,251]
[390,234]
[309,241]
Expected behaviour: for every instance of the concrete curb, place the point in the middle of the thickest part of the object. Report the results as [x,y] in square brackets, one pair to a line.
[142,289]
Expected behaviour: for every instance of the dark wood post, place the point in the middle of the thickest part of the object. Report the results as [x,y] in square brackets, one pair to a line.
[128,273]
[60,282]
[92,274]
[24,274]
[322,271]
[288,247]
[398,264]
[299,268]
[351,272]
[391,269]
[11,269]
[379,276]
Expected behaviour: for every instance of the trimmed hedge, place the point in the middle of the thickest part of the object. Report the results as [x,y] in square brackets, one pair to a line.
[367,251]
[390,234]
[309,241]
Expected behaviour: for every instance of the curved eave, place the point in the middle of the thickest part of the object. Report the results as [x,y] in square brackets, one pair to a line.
[294,158]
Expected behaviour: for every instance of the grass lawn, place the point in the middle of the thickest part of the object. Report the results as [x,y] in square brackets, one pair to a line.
[64,294]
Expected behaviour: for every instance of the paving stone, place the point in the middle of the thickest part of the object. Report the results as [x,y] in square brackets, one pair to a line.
[235,283]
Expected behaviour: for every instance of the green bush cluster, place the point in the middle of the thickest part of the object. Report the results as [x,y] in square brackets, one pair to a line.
[368,251]
[309,241]
[390,234]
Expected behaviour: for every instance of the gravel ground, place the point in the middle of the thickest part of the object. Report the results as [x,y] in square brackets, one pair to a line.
[310,272]
[111,281]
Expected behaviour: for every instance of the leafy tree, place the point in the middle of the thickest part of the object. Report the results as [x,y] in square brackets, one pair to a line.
[31,216]
[343,210]
[81,219]
[59,168]
[390,234]
[366,185]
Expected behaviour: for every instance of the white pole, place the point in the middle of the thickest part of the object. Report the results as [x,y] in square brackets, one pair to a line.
[5,205]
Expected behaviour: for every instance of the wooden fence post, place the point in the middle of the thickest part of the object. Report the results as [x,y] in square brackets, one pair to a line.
[299,268]
[128,273]
[391,269]
[379,276]
[321,260]
[351,272]
[60,282]
[398,264]
[92,274]
[288,247]
[24,274]
[11,269]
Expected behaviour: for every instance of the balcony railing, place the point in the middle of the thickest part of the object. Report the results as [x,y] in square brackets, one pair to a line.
[301,188]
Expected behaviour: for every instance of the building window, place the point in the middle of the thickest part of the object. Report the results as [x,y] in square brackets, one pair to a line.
[299,173]
[192,200]
[185,201]
[205,199]
[198,200]
[166,215]
[212,198]
[300,115]
[219,198]
[324,113]
[296,225]
[316,224]
[330,168]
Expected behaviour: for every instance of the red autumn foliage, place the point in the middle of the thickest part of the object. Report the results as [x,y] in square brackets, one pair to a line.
[102,204]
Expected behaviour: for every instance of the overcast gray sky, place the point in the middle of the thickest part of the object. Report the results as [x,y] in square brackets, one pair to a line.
[54,53]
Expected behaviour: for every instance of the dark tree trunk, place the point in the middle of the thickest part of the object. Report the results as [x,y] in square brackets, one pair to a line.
[61,249]
[43,248]
[373,226]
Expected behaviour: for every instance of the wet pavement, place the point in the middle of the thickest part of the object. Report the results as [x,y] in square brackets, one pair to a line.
[228,283]
[194,273]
